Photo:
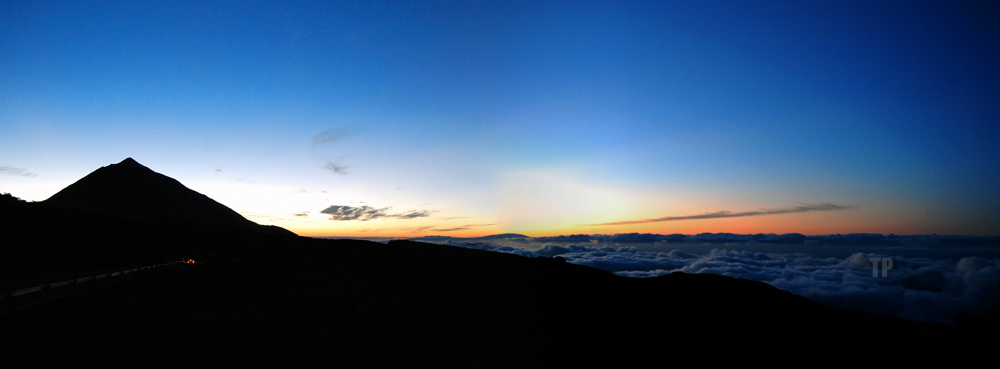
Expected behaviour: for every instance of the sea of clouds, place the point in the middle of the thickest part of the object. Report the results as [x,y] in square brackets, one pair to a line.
[931,279]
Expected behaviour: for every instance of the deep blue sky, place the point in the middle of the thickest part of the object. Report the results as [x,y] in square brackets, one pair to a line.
[469,118]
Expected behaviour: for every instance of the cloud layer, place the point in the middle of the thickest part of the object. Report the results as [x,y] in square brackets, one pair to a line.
[728,214]
[930,290]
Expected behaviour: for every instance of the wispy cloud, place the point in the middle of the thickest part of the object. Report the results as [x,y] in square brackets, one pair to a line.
[302,214]
[331,135]
[412,214]
[14,171]
[366,213]
[459,228]
[362,213]
[336,167]
[728,214]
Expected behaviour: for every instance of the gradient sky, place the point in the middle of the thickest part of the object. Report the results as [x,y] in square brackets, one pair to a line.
[470,118]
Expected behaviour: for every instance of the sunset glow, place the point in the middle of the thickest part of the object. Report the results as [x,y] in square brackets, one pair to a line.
[466,119]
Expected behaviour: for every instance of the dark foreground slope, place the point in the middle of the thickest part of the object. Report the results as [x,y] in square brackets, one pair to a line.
[302,302]
[264,297]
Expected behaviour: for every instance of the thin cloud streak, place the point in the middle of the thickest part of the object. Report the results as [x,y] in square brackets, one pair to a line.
[331,136]
[16,171]
[479,225]
[411,214]
[462,227]
[728,214]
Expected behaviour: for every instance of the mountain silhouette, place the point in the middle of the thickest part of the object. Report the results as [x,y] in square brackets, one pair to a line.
[131,191]
[119,216]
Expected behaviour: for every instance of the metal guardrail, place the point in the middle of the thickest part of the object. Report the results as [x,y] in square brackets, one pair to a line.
[16,299]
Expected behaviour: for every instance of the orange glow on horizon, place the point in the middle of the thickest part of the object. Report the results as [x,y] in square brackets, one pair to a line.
[812,224]
[850,220]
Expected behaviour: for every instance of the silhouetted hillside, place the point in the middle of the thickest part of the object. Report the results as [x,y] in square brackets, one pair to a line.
[129,190]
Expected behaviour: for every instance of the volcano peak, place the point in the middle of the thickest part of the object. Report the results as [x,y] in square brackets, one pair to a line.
[130,162]
[130,190]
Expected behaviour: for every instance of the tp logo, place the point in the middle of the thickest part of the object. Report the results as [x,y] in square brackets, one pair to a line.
[886,265]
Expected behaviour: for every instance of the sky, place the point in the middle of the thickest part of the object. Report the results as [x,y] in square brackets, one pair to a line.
[544,118]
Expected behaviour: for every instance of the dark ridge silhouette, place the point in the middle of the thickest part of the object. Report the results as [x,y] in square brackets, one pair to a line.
[131,191]
[271,299]
[502,236]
